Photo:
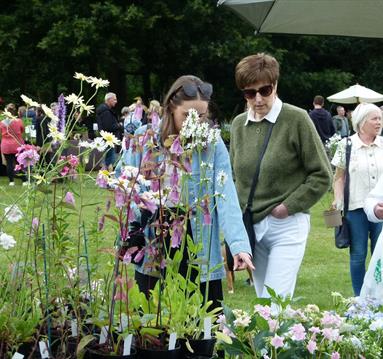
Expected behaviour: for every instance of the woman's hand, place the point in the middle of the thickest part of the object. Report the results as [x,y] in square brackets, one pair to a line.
[243,260]
[378,210]
[280,211]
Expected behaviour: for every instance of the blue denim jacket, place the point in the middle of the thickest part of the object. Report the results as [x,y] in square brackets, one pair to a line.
[226,215]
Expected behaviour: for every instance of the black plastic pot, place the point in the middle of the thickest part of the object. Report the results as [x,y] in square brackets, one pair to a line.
[201,347]
[28,349]
[95,354]
[159,354]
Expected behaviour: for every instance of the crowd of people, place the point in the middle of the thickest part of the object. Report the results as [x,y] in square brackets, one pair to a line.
[277,170]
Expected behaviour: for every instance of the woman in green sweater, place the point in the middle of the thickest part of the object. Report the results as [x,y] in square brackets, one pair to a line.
[294,173]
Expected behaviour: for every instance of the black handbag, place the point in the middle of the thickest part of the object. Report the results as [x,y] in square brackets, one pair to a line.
[247,215]
[342,232]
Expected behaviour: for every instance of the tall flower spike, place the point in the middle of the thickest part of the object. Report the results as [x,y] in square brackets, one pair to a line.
[61,113]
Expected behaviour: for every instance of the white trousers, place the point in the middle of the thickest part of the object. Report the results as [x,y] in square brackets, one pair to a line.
[279,252]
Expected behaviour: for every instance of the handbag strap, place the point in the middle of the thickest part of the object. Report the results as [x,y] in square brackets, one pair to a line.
[346,193]
[258,167]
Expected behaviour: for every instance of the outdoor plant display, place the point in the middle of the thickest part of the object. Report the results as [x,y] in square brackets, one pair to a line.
[276,328]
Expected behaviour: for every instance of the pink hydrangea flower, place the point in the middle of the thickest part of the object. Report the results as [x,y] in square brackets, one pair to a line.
[311,346]
[277,342]
[298,332]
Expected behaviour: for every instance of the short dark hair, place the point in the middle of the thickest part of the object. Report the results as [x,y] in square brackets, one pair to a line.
[319,100]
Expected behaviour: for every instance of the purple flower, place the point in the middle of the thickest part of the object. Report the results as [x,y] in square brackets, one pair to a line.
[139,255]
[119,197]
[206,212]
[35,224]
[335,355]
[26,156]
[149,204]
[178,228]
[174,178]
[155,121]
[176,147]
[69,198]
[61,113]
[174,195]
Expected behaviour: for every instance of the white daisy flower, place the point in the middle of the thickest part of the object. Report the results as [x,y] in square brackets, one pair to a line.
[73,98]
[80,76]
[110,139]
[29,102]
[13,213]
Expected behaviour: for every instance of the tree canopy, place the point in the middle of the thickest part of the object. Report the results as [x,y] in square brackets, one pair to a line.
[141,46]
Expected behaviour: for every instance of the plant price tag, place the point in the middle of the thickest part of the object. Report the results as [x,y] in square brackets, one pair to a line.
[43,349]
[103,335]
[73,327]
[127,344]
[207,328]
[172,341]
[18,356]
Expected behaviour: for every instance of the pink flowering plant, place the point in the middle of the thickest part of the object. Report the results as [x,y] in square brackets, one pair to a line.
[275,328]
[48,231]
[151,207]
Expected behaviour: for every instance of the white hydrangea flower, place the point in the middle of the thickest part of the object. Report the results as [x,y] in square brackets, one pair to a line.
[13,213]
[6,241]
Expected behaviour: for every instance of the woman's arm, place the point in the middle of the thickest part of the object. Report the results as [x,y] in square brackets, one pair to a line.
[338,186]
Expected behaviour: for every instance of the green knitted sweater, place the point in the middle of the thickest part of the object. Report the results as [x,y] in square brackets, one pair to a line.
[295,170]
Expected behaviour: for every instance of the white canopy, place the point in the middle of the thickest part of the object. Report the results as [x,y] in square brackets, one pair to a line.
[362,18]
[356,94]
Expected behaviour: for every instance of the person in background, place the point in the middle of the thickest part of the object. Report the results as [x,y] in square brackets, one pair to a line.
[322,119]
[365,168]
[107,121]
[373,280]
[11,129]
[341,122]
[294,173]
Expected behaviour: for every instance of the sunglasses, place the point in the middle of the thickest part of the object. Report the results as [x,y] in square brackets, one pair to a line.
[191,90]
[264,91]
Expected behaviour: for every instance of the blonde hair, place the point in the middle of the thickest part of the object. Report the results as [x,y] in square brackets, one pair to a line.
[359,115]
[154,106]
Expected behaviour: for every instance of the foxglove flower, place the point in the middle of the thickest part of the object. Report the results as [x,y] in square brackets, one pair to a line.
[176,147]
[178,228]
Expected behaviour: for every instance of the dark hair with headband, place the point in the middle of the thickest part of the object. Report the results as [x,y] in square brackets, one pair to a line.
[185,88]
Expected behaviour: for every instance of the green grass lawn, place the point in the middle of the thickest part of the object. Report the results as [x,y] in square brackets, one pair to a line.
[325,269]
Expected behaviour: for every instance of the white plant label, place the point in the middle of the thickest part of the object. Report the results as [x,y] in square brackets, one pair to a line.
[207,328]
[95,127]
[103,335]
[124,322]
[127,344]
[172,341]
[18,356]
[73,327]
[43,349]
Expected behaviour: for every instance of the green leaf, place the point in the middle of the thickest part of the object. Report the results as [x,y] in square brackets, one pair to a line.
[83,343]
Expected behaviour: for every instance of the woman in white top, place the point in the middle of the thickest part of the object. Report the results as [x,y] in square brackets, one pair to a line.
[373,280]
[366,166]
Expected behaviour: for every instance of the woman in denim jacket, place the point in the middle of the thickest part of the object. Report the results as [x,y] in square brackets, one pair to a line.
[209,178]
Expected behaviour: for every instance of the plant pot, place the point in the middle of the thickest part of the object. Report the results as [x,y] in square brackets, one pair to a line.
[332,218]
[29,350]
[201,347]
[160,354]
[95,354]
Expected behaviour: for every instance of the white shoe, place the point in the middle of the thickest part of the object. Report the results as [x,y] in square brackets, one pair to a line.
[25,183]
[11,183]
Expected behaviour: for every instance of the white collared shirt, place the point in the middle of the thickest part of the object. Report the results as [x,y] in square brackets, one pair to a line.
[271,116]
[366,166]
